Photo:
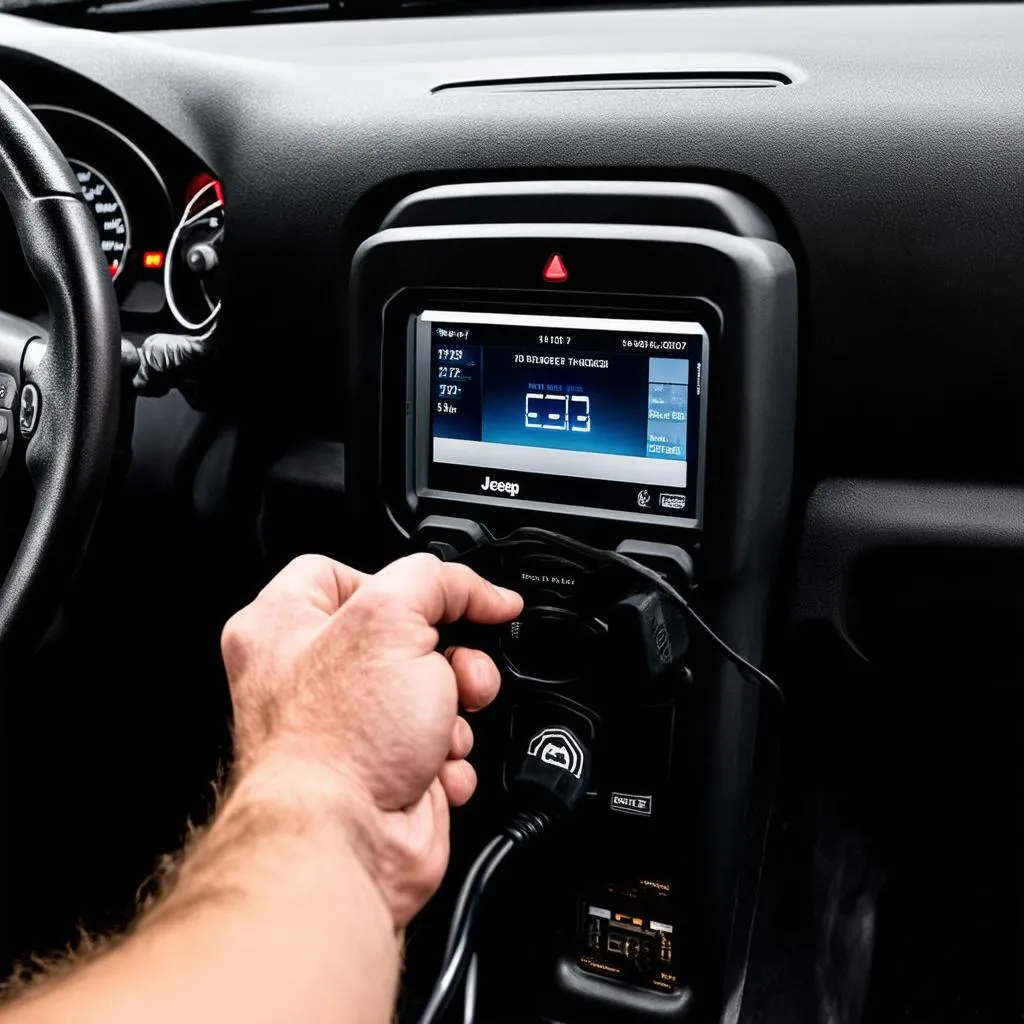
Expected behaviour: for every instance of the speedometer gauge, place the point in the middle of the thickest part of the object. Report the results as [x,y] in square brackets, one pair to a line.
[109,213]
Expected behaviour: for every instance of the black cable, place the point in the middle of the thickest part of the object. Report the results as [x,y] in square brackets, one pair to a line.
[469,992]
[734,656]
[550,537]
[524,828]
[457,949]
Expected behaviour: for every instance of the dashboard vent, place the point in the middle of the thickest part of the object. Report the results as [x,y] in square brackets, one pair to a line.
[627,81]
[667,203]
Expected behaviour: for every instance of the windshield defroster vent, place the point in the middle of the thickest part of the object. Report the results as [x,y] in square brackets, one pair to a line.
[626,81]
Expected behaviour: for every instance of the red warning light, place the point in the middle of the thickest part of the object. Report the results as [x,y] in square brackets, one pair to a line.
[201,181]
[554,269]
[153,260]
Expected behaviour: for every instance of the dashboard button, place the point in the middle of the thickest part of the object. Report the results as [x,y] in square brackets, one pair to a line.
[7,429]
[8,391]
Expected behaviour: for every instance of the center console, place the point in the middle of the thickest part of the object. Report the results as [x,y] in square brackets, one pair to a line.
[610,365]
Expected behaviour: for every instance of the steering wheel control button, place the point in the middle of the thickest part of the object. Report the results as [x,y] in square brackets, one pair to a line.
[28,413]
[6,437]
[551,645]
[8,391]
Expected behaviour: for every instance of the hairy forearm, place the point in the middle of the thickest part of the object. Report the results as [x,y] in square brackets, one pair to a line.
[273,917]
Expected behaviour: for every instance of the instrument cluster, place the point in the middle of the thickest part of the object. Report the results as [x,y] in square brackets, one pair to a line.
[160,222]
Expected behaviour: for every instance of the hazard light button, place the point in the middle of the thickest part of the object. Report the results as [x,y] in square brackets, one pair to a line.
[555,269]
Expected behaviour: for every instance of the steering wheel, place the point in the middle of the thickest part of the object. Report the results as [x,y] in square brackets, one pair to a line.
[59,406]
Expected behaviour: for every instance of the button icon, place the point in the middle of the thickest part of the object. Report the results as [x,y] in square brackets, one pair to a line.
[559,748]
[643,499]
[556,754]
[28,414]
[555,269]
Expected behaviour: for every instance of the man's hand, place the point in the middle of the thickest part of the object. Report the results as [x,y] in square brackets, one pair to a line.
[339,692]
[349,748]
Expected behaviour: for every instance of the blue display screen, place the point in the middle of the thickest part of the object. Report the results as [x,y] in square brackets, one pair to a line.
[566,410]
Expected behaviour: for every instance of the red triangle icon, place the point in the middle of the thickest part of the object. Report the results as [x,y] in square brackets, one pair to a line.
[554,269]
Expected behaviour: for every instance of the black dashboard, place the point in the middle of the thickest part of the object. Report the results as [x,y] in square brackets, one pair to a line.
[731,290]
[317,130]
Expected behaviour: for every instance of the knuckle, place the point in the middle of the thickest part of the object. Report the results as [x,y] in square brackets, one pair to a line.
[307,565]
[406,577]
[236,640]
[424,564]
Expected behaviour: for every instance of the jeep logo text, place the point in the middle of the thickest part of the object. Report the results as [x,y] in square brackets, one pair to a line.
[501,486]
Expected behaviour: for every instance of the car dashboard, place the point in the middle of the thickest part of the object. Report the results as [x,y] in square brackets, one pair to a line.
[730,291]
[145,191]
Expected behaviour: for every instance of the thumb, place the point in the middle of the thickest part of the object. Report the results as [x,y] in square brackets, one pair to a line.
[446,591]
